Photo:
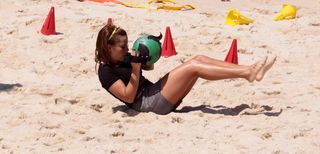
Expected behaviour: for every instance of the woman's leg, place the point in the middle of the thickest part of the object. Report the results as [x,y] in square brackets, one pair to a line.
[204,59]
[217,62]
[259,76]
[177,83]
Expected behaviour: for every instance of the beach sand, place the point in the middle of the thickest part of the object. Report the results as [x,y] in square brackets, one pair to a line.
[51,99]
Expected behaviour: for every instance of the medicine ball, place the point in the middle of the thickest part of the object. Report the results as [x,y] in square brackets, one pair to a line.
[148,46]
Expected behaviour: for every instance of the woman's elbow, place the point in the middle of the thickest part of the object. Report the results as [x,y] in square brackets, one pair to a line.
[128,96]
[129,99]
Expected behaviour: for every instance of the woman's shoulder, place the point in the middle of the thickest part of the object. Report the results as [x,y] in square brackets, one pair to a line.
[103,68]
[106,68]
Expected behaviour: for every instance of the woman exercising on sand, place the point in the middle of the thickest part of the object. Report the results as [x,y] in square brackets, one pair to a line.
[126,82]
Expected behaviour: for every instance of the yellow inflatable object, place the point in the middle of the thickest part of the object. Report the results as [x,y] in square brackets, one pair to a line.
[183,7]
[234,17]
[287,12]
[151,4]
[134,5]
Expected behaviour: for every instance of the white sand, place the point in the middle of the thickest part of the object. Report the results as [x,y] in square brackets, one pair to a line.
[51,99]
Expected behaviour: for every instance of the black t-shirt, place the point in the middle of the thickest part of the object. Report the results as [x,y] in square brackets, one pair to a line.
[110,74]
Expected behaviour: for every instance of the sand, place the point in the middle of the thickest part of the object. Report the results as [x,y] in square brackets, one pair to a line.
[51,100]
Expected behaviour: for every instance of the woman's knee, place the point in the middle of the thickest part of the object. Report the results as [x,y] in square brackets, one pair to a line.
[199,58]
[193,65]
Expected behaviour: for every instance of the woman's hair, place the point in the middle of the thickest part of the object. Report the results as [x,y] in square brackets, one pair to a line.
[106,37]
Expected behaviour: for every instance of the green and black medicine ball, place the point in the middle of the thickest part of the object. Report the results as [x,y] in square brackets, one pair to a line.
[148,46]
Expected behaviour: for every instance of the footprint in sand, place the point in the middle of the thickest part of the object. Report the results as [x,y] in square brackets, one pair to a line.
[176,120]
[149,21]
[63,3]
[50,126]
[88,20]
[262,11]
[270,93]
[29,22]
[23,116]
[305,110]
[117,134]
[53,134]
[49,138]
[95,24]
[276,82]
[21,11]
[130,121]
[149,141]
[4,147]
[119,126]
[256,109]
[266,136]
[81,132]
[199,137]
[61,100]
[317,87]
[302,133]
[88,138]
[239,84]
[244,51]
[12,31]
[207,14]
[96,107]
[298,135]
[48,40]
[263,46]
[314,24]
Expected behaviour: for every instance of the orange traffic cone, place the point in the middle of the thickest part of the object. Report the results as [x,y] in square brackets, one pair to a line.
[109,21]
[168,48]
[232,56]
[49,27]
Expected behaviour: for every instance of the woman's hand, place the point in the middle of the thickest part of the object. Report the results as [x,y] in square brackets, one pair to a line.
[135,66]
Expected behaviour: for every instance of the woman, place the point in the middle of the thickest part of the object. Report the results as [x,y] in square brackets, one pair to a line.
[125,81]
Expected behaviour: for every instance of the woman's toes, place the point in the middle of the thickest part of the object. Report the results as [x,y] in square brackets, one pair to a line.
[255,68]
[265,68]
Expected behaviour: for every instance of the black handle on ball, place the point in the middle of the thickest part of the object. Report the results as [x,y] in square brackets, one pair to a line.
[141,59]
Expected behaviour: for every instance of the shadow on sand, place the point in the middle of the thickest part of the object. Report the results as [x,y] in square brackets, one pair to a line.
[125,109]
[8,87]
[229,111]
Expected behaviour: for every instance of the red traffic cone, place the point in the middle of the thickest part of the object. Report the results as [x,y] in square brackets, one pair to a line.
[168,48]
[109,21]
[232,56]
[49,27]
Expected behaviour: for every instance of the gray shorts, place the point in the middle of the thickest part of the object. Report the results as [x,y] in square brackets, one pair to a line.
[153,101]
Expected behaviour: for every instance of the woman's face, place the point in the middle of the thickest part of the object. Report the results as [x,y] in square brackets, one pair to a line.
[119,49]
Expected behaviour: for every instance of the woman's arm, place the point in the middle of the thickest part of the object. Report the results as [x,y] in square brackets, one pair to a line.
[127,93]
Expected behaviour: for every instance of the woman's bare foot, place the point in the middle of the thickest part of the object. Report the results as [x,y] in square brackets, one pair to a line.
[265,68]
[255,69]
